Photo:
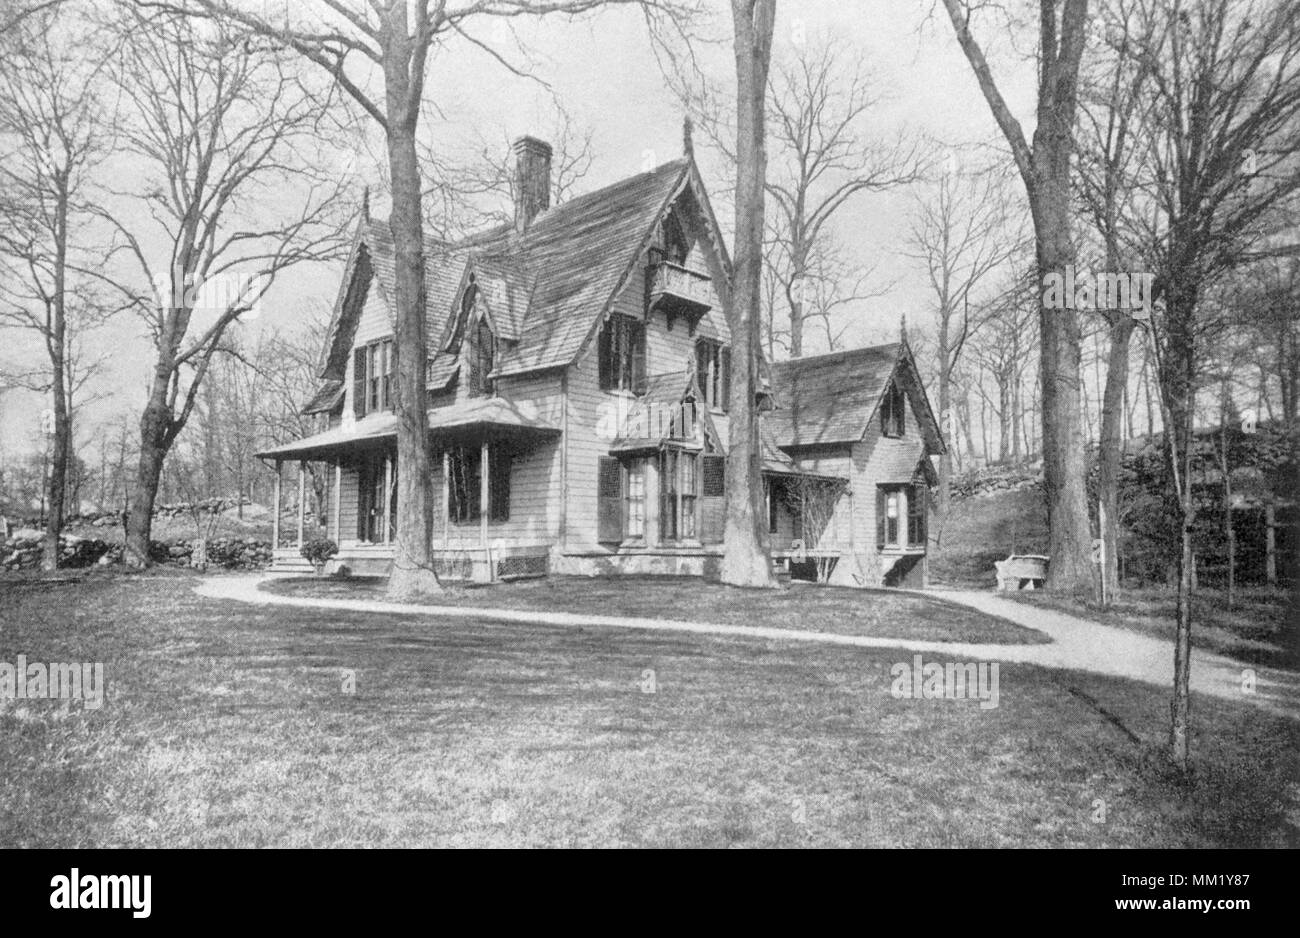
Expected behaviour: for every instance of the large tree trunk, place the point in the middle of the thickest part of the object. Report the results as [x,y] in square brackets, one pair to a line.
[1108,469]
[413,575]
[746,561]
[1064,472]
[57,346]
[154,442]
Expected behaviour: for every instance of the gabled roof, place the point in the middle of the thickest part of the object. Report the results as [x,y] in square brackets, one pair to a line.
[648,420]
[547,290]
[831,399]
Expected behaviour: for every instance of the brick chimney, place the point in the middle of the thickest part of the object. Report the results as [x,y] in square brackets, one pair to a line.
[532,180]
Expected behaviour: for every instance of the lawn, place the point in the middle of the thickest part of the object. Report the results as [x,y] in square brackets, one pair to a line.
[806,607]
[229,725]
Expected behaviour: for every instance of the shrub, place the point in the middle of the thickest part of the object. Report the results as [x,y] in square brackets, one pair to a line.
[319,551]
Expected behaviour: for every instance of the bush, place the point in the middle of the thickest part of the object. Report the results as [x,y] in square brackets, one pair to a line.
[319,551]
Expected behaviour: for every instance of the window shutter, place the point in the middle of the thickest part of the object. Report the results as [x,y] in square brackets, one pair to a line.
[916,515]
[880,518]
[637,338]
[609,501]
[715,476]
[702,367]
[605,355]
[712,503]
[724,359]
[359,382]
[499,485]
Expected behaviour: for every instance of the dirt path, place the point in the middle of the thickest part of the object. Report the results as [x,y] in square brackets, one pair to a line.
[1077,644]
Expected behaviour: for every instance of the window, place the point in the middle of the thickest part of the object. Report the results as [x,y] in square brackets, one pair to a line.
[635,508]
[892,410]
[622,355]
[482,354]
[894,505]
[713,486]
[678,489]
[713,372]
[464,484]
[372,368]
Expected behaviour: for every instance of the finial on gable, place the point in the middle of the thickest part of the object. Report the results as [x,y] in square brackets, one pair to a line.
[902,328]
[688,146]
[365,204]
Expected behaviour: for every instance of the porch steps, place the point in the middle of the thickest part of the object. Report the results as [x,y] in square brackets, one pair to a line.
[290,561]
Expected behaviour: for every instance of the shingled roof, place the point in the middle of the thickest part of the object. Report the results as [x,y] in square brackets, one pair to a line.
[548,288]
[830,399]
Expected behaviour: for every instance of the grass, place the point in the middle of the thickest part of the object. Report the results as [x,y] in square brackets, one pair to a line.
[1261,629]
[227,725]
[874,613]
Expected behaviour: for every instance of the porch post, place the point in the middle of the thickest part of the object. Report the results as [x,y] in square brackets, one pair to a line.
[302,499]
[446,494]
[384,533]
[338,500]
[483,488]
[275,512]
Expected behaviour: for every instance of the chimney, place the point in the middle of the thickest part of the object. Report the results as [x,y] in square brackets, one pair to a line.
[532,180]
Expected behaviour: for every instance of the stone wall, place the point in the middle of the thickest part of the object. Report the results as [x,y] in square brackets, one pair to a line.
[23,552]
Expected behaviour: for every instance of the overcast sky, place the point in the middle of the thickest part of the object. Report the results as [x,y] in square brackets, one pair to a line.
[604,71]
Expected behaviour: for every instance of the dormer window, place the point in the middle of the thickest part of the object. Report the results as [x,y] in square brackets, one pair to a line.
[482,360]
[893,410]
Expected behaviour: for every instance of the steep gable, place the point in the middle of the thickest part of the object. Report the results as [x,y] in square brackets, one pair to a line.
[831,399]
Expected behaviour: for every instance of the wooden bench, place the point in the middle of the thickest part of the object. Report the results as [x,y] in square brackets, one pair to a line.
[1021,571]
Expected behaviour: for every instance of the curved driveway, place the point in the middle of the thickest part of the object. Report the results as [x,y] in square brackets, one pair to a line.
[1076,644]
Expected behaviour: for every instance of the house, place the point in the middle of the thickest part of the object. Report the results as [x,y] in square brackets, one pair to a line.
[578,382]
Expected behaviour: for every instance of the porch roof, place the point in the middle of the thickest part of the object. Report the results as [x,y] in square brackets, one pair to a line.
[467,415]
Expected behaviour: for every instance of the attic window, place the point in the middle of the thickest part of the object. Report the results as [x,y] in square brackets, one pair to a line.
[482,358]
[893,410]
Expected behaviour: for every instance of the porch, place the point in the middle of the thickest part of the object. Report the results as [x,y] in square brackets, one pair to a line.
[350,474]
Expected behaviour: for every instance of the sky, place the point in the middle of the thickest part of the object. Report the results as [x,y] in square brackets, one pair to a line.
[603,69]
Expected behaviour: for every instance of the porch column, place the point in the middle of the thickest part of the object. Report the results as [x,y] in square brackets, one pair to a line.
[302,499]
[275,512]
[338,501]
[384,533]
[446,495]
[483,488]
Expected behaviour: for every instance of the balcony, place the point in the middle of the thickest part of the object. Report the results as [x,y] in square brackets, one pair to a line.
[680,292]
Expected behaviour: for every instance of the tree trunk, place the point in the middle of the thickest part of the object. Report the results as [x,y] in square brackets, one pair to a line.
[154,424]
[1109,451]
[56,342]
[746,560]
[413,574]
[1064,473]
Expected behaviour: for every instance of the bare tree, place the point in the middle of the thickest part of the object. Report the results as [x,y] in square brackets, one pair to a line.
[1044,166]
[52,135]
[1224,113]
[961,234]
[395,38]
[214,124]
[818,106]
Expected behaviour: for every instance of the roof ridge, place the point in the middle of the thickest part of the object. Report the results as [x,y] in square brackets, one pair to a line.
[842,353]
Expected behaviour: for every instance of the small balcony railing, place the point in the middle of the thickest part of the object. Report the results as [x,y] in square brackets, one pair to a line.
[679,291]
